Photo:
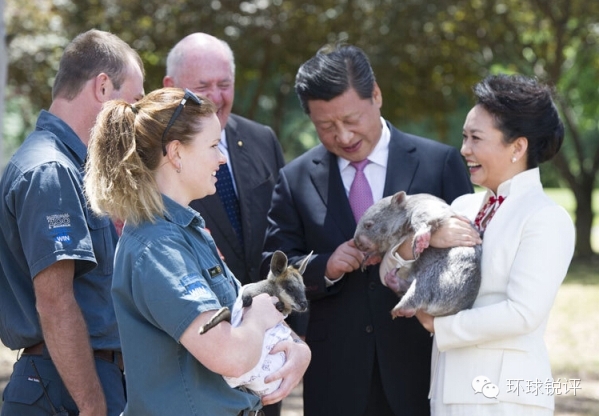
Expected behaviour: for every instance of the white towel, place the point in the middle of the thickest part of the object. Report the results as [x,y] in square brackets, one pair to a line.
[269,363]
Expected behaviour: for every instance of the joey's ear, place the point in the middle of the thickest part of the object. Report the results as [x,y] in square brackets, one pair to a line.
[304,263]
[278,263]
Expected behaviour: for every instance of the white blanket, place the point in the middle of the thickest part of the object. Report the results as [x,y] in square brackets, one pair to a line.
[268,363]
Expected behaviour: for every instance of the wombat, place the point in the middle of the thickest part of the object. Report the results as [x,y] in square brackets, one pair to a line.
[441,281]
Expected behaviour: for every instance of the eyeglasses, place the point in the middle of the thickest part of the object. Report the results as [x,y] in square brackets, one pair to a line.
[188,96]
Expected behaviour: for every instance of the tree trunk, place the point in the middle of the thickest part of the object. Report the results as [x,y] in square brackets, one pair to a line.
[584,218]
[581,184]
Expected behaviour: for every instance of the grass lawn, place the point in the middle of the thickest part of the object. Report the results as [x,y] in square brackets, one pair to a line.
[573,340]
[573,330]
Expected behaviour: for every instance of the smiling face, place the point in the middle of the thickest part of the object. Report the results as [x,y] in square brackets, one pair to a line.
[200,159]
[207,70]
[348,125]
[490,160]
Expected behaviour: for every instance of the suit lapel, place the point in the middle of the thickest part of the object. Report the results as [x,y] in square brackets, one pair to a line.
[327,180]
[240,158]
[401,165]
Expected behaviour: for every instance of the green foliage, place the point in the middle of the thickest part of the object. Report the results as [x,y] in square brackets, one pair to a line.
[426,56]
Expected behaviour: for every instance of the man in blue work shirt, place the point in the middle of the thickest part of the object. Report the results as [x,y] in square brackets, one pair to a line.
[55,255]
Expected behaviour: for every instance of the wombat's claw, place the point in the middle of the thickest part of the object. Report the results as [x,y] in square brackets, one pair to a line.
[391,280]
[421,242]
[363,264]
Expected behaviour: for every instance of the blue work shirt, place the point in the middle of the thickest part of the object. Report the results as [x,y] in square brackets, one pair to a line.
[44,218]
[166,274]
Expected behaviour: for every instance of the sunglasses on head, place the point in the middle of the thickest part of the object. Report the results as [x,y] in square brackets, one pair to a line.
[188,96]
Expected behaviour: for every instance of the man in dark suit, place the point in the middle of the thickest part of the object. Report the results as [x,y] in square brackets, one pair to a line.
[205,65]
[363,362]
[236,218]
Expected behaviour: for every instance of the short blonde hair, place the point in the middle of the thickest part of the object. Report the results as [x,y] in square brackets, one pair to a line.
[126,149]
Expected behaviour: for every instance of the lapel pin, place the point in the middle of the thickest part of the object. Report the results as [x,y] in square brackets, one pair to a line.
[240,143]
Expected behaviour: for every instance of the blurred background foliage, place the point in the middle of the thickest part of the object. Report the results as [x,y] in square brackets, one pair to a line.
[426,56]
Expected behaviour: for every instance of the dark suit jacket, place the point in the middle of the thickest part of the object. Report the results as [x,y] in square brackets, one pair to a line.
[256,157]
[350,328]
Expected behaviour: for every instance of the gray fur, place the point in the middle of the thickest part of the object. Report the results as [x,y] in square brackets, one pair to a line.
[284,282]
[440,281]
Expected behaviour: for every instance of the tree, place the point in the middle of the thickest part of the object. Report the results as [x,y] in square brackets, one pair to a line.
[557,42]
[426,56]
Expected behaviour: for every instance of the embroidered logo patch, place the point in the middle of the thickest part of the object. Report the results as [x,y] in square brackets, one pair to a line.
[215,271]
[59,225]
[194,288]
[58,221]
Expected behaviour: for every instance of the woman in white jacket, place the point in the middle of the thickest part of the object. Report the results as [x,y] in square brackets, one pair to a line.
[491,359]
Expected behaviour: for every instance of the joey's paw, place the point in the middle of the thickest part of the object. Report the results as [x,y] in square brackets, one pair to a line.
[246,301]
[223,314]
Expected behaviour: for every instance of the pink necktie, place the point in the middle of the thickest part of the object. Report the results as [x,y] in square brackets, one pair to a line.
[360,194]
[486,213]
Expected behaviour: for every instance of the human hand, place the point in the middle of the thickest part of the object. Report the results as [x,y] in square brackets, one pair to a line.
[426,320]
[455,232]
[298,356]
[263,310]
[345,259]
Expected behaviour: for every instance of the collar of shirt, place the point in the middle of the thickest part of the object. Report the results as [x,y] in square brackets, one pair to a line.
[376,170]
[222,144]
[63,132]
[224,148]
[517,184]
[180,215]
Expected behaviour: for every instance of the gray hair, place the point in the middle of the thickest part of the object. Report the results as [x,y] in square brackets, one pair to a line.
[178,54]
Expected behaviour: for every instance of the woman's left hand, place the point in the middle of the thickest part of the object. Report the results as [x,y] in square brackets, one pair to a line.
[298,356]
[426,320]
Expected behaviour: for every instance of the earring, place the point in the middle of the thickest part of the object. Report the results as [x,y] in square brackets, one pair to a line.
[514,159]
[179,168]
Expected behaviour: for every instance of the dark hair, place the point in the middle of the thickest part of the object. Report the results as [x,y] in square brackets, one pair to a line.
[331,72]
[90,54]
[523,107]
